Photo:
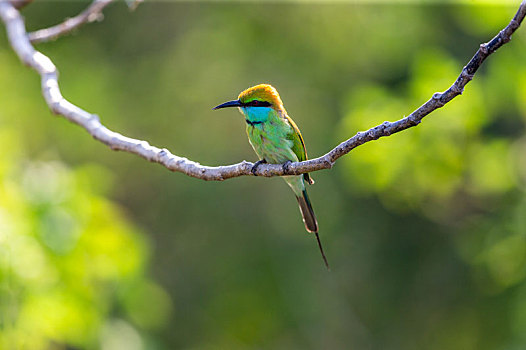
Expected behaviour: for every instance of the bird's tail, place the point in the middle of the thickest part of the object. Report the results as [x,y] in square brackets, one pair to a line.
[309,219]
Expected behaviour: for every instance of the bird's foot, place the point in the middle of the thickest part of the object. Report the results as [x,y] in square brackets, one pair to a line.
[256,164]
[286,165]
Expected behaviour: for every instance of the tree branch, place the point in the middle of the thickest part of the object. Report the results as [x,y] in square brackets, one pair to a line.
[91,14]
[50,89]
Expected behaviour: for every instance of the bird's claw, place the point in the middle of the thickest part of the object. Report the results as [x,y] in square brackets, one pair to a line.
[255,166]
[285,166]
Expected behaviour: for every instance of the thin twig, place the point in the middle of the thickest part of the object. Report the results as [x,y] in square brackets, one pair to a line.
[50,89]
[91,14]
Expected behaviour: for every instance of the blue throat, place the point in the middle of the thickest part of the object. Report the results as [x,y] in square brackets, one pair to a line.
[256,115]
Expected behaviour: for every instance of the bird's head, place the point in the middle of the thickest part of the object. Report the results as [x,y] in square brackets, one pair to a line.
[262,95]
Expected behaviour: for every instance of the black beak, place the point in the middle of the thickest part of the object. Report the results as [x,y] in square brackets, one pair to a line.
[235,103]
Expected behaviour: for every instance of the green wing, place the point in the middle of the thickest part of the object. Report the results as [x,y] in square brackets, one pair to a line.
[298,146]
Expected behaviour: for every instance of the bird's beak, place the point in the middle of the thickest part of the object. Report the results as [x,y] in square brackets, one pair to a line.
[235,103]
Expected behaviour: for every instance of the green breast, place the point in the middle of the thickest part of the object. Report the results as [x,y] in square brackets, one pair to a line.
[268,134]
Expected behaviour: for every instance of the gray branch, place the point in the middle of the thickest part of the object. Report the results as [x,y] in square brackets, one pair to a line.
[91,14]
[19,40]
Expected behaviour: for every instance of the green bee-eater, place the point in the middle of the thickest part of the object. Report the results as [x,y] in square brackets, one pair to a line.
[276,139]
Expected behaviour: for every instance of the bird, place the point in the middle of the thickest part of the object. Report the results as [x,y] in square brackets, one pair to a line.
[276,139]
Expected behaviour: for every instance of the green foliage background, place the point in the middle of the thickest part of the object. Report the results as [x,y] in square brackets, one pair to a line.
[425,230]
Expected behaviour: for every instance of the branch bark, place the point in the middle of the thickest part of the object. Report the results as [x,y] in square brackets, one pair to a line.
[91,14]
[19,40]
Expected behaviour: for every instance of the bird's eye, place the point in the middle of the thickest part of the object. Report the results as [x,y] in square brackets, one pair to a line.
[257,103]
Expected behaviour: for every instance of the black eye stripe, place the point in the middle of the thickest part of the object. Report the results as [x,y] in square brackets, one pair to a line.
[257,103]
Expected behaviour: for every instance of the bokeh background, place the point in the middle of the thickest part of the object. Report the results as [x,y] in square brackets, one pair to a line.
[425,230]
